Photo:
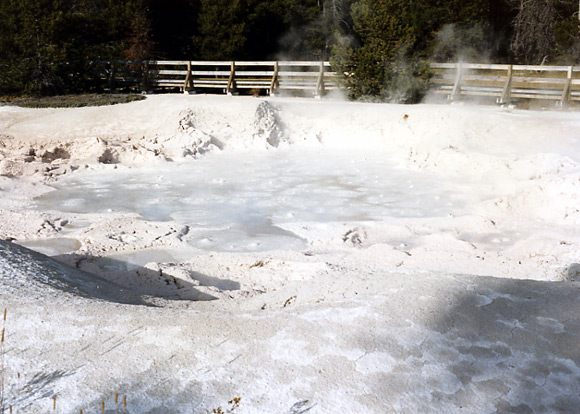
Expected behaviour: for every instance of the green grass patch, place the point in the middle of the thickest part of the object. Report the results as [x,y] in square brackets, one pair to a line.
[72,101]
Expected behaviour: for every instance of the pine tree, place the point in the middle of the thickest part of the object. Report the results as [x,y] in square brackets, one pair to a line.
[35,45]
[139,42]
[222,29]
[387,56]
[46,46]
[546,31]
[534,39]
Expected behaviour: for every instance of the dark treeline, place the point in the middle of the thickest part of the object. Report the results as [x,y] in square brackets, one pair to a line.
[46,46]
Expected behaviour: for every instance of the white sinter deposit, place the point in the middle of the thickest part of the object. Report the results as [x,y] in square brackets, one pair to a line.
[300,255]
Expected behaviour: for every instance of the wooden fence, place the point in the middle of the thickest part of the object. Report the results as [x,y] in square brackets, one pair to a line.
[507,82]
[456,80]
[229,77]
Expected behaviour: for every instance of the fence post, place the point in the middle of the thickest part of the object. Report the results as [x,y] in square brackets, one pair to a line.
[320,82]
[274,82]
[568,87]
[111,80]
[231,80]
[145,77]
[456,93]
[188,84]
[507,89]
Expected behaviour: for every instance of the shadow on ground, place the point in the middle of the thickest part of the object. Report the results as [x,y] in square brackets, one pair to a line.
[156,282]
[488,345]
[20,266]
[518,342]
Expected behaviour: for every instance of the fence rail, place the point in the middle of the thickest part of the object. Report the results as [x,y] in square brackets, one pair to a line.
[229,77]
[507,82]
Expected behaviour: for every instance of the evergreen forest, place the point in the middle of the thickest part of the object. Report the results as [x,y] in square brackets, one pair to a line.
[385,46]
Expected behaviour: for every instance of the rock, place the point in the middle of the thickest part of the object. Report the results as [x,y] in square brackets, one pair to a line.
[267,125]
[109,156]
[10,168]
[190,141]
[55,154]
[574,272]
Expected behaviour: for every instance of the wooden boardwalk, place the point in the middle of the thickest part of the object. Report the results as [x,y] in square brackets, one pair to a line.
[456,80]
[507,82]
[271,77]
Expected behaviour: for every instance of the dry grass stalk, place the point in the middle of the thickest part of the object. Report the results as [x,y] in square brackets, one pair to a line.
[2,365]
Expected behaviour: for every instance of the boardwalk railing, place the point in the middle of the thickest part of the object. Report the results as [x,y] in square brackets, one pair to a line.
[456,80]
[228,77]
[507,82]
